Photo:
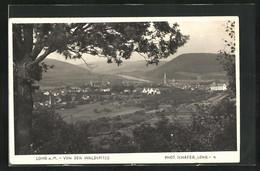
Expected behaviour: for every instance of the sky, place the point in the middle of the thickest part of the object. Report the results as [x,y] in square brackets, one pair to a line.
[206,36]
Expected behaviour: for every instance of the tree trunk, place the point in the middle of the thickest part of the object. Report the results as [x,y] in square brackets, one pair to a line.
[26,71]
[23,108]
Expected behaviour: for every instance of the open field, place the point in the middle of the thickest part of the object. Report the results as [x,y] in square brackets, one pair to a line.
[86,112]
[98,110]
[127,114]
[106,123]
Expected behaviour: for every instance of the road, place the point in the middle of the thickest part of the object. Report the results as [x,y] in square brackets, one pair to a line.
[215,99]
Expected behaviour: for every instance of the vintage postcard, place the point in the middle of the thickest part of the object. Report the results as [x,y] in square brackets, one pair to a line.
[124,90]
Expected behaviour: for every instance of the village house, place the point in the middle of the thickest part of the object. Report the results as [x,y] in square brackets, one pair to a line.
[105,90]
[46,93]
[218,86]
[127,91]
[150,91]
[85,97]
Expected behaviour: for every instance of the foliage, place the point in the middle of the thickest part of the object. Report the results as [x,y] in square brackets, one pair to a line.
[210,125]
[32,43]
[163,137]
[51,135]
[227,56]
[217,124]
[66,98]
[69,105]
[206,133]
[98,126]
[116,142]
[110,40]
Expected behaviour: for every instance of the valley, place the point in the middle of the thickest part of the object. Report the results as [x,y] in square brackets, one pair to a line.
[119,101]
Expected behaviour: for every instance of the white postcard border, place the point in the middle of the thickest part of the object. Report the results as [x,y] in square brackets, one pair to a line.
[121,158]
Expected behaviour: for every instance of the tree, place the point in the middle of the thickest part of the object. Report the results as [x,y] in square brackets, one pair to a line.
[212,124]
[227,56]
[32,43]
[52,135]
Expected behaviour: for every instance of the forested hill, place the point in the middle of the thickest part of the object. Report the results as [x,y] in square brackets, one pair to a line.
[190,66]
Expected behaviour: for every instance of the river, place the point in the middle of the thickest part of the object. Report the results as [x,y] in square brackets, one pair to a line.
[134,78]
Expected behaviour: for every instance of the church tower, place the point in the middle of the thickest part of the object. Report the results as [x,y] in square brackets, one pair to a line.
[50,100]
[164,78]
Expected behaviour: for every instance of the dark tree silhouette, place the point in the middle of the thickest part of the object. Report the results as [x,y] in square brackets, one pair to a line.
[32,43]
[227,56]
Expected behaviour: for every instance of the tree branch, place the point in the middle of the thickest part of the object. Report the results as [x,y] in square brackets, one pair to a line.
[42,57]
[74,51]
[145,58]
[87,52]
[88,65]
[36,51]
[81,26]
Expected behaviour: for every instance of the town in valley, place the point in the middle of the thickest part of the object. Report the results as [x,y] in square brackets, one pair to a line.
[97,99]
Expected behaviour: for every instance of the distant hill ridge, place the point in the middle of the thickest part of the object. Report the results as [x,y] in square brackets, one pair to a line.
[186,66]
[125,67]
[66,68]
[190,66]
[65,73]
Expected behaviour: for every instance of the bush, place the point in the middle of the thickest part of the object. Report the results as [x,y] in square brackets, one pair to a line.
[107,110]
[116,142]
[140,112]
[163,137]
[51,135]
[213,128]
[98,126]
[117,118]
[70,105]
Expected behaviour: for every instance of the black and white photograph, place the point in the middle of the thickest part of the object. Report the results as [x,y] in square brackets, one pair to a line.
[122,90]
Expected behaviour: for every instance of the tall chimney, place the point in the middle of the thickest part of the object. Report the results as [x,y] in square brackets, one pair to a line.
[164,79]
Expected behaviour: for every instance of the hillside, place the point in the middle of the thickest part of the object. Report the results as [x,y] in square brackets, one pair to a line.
[68,74]
[127,67]
[190,66]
